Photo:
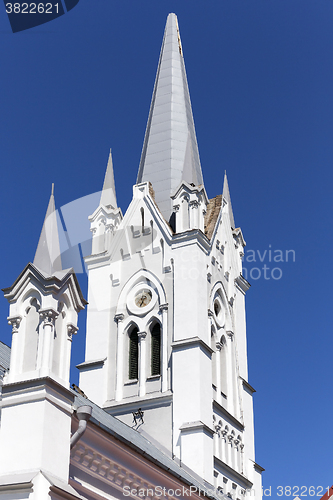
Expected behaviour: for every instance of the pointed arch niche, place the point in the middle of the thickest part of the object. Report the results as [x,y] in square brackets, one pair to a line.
[141,362]
[220,321]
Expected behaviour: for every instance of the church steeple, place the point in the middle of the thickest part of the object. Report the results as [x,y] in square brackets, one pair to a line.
[170,152]
[47,256]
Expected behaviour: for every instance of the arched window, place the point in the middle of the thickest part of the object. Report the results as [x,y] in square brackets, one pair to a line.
[133,359]
[156,350]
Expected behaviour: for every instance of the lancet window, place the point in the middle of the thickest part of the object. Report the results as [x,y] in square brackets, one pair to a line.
[133,358]
[156,350]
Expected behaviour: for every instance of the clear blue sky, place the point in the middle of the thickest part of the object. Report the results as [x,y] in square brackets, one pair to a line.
[260,77]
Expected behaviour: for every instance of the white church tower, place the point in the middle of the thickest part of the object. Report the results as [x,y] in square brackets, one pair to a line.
[166,331]
[36,406]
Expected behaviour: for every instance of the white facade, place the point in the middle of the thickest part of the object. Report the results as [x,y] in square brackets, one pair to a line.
[165,335]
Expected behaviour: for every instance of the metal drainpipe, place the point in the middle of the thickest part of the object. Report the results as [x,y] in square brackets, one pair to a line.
[83,413]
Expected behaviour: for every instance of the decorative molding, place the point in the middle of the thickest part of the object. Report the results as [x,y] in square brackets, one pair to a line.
[14,321]
[119,317]
[71,330]
[142,336]
[105,469]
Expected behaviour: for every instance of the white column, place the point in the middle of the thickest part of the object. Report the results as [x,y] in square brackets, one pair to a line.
[164,344]
[15,321]
[241,459]
[224,446]
[142,363]
[236,452]
[217,429]
[66,359]
[184,214]
[218,371]
[194,212]
[120,357]
[230,373]
[230,450]
[48,316]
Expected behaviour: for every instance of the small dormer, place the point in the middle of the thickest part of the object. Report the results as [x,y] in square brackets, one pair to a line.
[189,205]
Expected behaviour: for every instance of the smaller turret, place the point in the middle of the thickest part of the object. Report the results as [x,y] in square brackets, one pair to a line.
[190,205]
[107,217]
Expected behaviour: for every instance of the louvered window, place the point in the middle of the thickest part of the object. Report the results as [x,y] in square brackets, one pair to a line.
[156,350]
[133,354]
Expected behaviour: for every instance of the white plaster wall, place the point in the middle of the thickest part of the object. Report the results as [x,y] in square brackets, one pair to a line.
[34,435]
[157,424]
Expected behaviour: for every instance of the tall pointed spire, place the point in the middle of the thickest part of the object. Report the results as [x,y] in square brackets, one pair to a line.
[47,257]
[226,195]
[170,151]
[108,197]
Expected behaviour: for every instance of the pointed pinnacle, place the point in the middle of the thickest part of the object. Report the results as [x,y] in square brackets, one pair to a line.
[108,196]
[226,195]
[48,256]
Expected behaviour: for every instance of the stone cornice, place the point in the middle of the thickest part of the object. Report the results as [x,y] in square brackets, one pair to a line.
[47,284]
[37,390]
[16,487]
[247,385]
[242,284]
[89,364]
[192,342]
[148,401]
[236,476]
[224,413]
[194,426]
[189,237]
[258,467]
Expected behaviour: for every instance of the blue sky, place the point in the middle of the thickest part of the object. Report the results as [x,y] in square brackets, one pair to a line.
[260,77]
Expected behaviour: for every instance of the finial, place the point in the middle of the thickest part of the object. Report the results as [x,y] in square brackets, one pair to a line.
[52,190]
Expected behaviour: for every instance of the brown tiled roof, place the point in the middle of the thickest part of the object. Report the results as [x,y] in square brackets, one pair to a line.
[213,210]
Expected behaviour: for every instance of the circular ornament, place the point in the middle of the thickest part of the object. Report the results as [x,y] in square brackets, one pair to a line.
[141,299]
[219,311]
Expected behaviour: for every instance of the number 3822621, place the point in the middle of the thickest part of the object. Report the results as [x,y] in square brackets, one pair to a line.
[32,8]
[301,491]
